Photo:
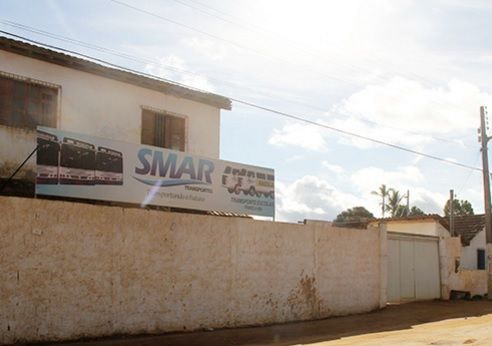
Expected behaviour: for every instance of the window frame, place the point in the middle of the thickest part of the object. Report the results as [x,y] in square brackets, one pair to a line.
[169,114]
[37,82]
[481,251]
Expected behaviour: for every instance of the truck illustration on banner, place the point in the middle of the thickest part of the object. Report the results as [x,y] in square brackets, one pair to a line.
[248,182]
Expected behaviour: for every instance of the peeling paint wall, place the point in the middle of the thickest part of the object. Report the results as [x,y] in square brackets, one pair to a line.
[455,277]
[73,270]
[15,146]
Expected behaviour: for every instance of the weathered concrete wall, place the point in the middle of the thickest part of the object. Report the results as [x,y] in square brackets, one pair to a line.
[71,270]
[455,277]
[15,146]
[473,281]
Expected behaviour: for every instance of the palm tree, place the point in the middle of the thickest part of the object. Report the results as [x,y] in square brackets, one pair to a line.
[383,193]
[394,199]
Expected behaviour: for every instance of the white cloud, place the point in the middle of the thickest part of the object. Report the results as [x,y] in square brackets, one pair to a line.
[332,167]
[399,111]
[472,4]
[212,50]
[402,179]
[174,68]
[406,104]
[383,134]
[294,158]
[430,202]
[311,198]
[305,136]
[370,178]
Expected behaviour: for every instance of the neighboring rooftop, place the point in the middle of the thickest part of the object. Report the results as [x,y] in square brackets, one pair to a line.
[362,223]
[442,220]
[468,227]
[112,72]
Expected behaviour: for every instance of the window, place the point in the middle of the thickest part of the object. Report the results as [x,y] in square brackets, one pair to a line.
[481,259]
[163,130]
[26,104]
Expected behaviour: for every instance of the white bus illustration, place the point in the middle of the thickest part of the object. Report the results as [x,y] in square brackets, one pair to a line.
[77,162]
[109,166]
[248,182]
[47,158]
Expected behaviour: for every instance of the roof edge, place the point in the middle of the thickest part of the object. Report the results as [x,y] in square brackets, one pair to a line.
[122,75]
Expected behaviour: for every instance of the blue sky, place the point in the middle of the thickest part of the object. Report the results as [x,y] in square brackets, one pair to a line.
[411,73]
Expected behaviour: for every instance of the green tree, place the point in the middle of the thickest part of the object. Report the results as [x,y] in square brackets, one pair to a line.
[383,192]
[394,199]
[460,208]
[402,211]
[416,211]
[354,214]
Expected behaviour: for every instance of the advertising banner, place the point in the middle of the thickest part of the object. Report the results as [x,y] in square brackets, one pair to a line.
[80,166]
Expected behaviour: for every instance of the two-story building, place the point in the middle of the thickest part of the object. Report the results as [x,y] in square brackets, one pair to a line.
[43,86]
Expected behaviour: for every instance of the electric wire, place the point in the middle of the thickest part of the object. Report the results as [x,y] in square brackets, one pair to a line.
[232,43]
[145,60]
[469,173]
[264,108]
[299,45]
[237,45]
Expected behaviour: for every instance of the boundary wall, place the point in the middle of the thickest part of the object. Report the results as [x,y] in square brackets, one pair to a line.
[71,270]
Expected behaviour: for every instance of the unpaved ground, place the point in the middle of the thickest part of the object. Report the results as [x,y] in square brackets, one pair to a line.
[423,323]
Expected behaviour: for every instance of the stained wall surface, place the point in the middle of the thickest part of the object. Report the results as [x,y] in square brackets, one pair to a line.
[453,276]
[15,146]
[75,270]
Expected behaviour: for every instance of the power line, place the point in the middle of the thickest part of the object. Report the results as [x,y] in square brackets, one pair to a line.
[145,60]
[232,43]
[260,107]
[114,52]
[259,29]
[469,173]
[353,134]
[307,68]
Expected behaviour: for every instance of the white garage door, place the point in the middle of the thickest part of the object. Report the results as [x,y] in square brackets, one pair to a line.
[413,267]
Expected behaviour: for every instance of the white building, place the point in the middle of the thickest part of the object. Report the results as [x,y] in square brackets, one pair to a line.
[40,86]
[471,229]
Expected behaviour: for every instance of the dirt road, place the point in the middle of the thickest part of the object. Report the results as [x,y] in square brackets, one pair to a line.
[422,323]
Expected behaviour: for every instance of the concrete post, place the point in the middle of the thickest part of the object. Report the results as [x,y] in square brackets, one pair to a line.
[383,263]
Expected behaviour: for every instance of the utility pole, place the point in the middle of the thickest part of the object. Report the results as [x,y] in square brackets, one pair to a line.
[486,189]
[451,212]
[408,202]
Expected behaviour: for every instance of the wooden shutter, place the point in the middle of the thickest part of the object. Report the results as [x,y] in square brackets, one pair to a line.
[160,131]
[5,101]
[175,133]
[48,100]
[24,104]
[163,130]
[148,119]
